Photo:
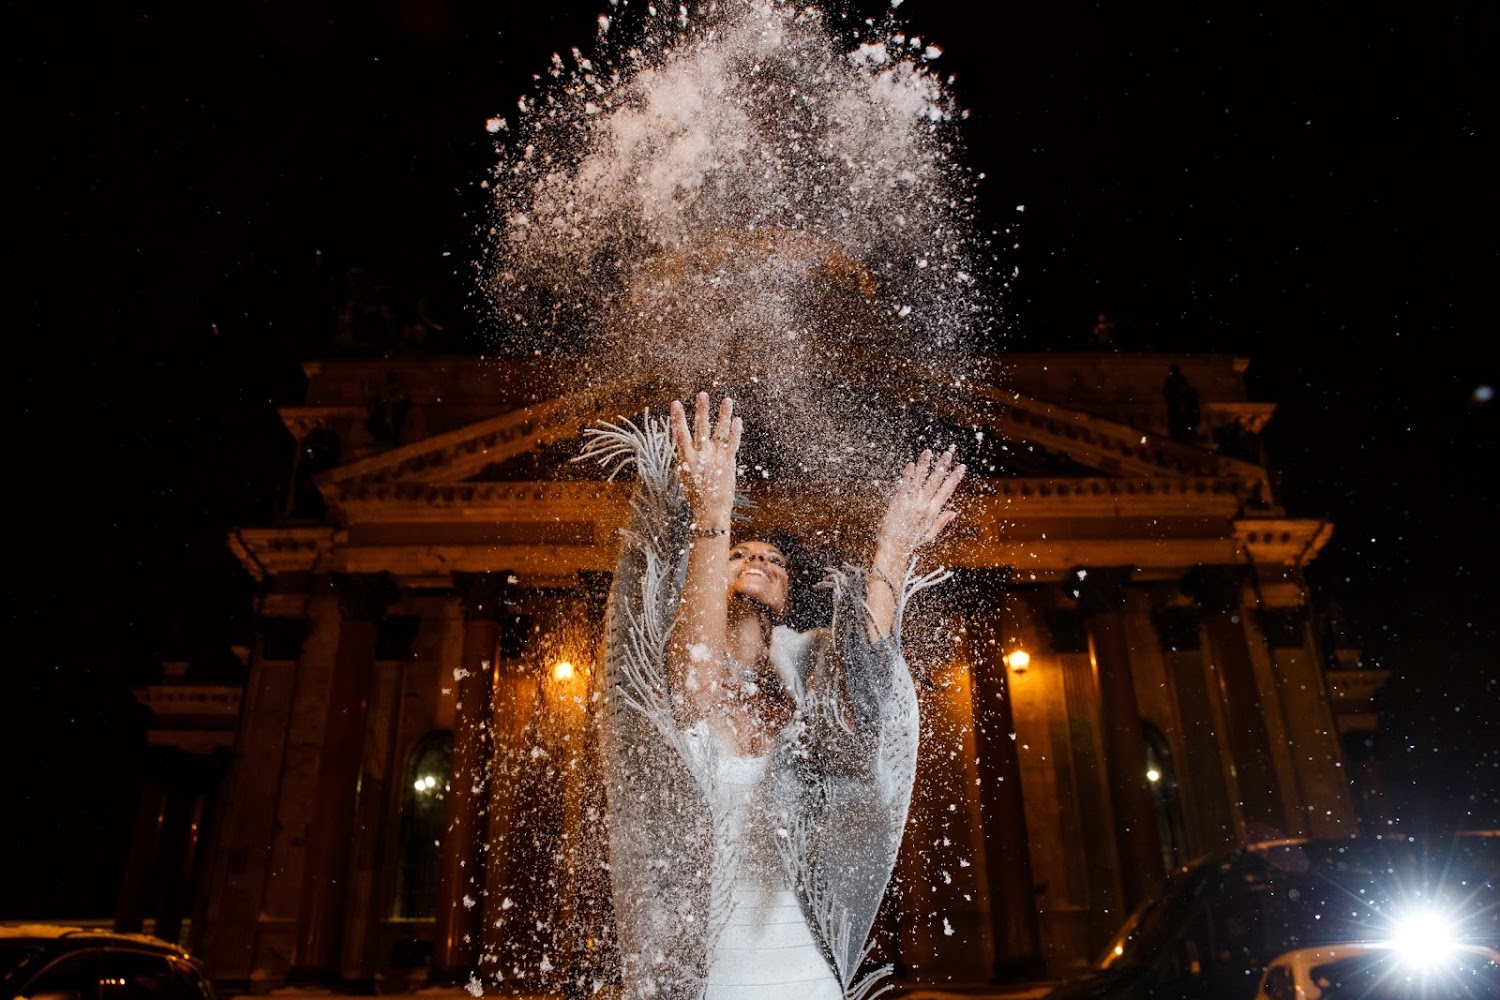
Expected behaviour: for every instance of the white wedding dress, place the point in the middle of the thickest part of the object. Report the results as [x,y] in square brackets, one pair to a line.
[704,909]
[765,950]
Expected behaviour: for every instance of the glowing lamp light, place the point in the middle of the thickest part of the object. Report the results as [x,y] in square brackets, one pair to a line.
[562,671]
[425,783]
[1153,775]
[1423,938]
[1018,660]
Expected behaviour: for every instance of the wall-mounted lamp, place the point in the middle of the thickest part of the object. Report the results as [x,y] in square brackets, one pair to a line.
[1018,660]
[562,670]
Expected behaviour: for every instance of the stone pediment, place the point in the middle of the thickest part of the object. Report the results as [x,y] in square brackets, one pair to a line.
[1042,440]
[484,476]
[461,454]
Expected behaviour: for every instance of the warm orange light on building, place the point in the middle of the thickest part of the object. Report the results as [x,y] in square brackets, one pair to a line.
[562,670]
[1018,660]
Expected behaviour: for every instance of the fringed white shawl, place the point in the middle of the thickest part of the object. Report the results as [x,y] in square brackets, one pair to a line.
[841,772]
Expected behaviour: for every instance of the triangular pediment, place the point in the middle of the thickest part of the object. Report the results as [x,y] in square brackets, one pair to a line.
[1027,437]
[1067,472]
[465,453]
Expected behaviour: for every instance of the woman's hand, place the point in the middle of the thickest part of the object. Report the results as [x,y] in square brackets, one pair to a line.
[706,462]
[918,511]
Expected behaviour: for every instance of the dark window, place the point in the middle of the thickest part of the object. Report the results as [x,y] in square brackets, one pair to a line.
[1382,975]
[1162,774]
[424,808]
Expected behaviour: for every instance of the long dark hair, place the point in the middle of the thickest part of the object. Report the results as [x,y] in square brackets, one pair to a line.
[807,606]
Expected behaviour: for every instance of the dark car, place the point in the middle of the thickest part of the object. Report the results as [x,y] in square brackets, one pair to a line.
[48,962]
[1382,972]
[1215,926]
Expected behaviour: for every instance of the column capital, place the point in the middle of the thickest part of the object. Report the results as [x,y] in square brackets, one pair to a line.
[363,597]
[483,594]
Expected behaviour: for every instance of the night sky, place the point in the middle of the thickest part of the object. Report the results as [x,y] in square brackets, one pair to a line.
[1303,184]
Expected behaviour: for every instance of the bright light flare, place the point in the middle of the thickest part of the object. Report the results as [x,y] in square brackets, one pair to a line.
[562,671]
[1424,938]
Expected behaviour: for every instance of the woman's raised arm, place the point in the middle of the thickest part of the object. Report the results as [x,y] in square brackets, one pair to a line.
[706,463]
[916,514]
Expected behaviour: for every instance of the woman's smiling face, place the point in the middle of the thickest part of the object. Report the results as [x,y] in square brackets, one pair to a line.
[759,571]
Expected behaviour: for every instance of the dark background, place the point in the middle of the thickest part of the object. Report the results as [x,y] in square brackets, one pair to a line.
[1307,185]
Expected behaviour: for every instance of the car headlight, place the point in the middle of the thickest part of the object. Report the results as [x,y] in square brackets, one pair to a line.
[1424,937]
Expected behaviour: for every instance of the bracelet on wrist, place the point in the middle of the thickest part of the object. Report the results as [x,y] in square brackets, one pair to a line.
[698,532]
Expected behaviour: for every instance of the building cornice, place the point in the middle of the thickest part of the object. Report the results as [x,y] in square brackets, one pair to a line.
[268,552]
[1281,541]
[1037,497]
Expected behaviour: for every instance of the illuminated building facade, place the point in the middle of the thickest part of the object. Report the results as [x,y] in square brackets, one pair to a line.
[1125,673]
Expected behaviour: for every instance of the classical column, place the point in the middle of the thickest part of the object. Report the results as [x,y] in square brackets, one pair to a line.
[590,916]
[151,816]
[198,867]
[1101,593]
[363,598]
[1013,916]
[512,905]
[362,959]
[458,931]
[177,886]
[1218,590]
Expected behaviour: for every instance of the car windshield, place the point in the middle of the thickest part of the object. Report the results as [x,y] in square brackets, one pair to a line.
[1150,926]
[13,955]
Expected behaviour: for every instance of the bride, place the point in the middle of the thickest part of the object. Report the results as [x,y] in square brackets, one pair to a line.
[758,777]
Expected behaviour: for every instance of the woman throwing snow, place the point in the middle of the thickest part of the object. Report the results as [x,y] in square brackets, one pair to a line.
[758,777]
